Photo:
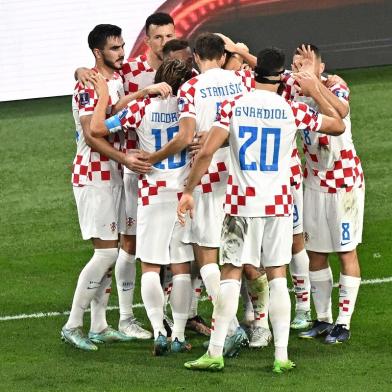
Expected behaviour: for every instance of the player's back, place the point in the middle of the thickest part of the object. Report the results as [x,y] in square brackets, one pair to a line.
[262,131]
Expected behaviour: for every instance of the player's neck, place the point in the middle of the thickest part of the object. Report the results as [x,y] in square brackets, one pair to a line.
[267,87]
[104,70]
[208,64]
[153,60]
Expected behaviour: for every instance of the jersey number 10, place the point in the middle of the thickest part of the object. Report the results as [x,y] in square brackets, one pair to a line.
[253,133]
[171,163]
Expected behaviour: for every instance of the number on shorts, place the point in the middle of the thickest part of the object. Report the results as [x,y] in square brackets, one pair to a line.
[295,214]
[345,231]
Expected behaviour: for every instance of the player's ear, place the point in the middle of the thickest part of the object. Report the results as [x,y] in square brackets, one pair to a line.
[322,68]
[97,53]
[147,40]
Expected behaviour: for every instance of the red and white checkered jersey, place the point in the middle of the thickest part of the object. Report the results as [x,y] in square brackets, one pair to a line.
[89,166]
[155,121]
[332,164]
[262,127]
[200,98]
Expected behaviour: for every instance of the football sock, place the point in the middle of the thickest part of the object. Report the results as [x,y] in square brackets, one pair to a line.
[99,304]
[249,315]
[125,273]
[299,269]
[210,274]
[259,293]
[180,302]
[321,285]
[348,291]
[279,313]
[197,284]
[225,310]
[89,282]
[152,295]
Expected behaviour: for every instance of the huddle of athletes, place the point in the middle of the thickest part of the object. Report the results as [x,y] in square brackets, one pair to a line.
[184,170]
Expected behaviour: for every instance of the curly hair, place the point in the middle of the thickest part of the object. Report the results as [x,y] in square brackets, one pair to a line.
[174,73]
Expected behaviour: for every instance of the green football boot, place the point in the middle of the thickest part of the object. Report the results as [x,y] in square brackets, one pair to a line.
[282,366]
[76,338]
[206,362]
[109,335]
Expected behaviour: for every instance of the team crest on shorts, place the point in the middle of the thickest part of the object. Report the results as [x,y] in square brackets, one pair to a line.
[130,221]
[113,226]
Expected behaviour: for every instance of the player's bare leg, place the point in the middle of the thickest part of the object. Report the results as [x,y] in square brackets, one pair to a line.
[125,273]
[349,282]
[257,284]
[279,313]
[299,270]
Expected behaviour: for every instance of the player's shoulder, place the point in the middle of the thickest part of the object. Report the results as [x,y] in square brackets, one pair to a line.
[136,64]
[190,85]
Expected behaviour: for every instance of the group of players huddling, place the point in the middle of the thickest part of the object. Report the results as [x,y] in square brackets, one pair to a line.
[201,167]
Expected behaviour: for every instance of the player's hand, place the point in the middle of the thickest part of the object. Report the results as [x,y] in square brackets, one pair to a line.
[230,46]
[185,204]
[197,143]
[100,85]
[306,59]
[240,46]
[246,67]
[84,76]
[136,161]
[307,83]
[334,79]
[162,89]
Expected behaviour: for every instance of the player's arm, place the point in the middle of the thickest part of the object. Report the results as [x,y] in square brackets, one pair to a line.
[83,75]
[162,89]
[182,140]
[331,122]
[215,139]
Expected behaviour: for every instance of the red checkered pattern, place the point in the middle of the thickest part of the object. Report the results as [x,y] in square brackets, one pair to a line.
[282,205]
[137,74]
[296,170]
[313,157]
[346,173]
[168,288]
[79,171]
[344,305]
[226,112]
[247,78]
[289,91]
[99,167]
[233,199]
[135,113]
[186,97]
[259,316]
[305,117]
[147,190]
[212,177]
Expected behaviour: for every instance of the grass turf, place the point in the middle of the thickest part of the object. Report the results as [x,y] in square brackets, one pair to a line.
[41,255]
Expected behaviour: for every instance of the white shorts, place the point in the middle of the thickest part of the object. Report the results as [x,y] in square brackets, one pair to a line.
[298,209]
[160,235]
[245,239]
[130,192]
[100,211]
[333,221]
[205,228]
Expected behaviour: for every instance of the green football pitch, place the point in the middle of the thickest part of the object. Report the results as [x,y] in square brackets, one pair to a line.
[41,255]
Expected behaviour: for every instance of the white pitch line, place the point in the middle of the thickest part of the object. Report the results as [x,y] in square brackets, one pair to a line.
[66,313]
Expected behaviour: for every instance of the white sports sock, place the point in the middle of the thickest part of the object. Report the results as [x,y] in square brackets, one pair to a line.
[210,274]
[259,293]
[125,273]
[249,314]
[180,302]
[321,285]
[152,295]
[99,304]
[279,313]
[225,310]
[348,291]
[88,283]
[167,285]
[299,270]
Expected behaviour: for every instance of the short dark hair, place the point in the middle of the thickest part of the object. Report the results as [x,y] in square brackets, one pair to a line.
[209,46]
[270,61]
[173,45]
[99,34]
[174,73]
[158,19]
[313,48]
